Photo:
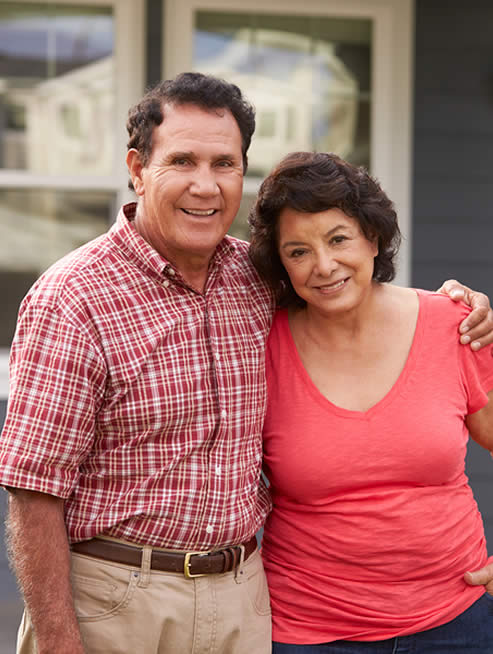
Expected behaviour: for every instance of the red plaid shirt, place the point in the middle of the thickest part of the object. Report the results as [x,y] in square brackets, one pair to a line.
[139,400]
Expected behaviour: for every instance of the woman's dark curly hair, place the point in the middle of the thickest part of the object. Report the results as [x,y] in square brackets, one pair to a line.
[204,91]
[311,182]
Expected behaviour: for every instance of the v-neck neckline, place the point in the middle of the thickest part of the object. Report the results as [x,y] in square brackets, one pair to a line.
[396,388]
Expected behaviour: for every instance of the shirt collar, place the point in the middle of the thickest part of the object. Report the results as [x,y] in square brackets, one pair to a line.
[138,251]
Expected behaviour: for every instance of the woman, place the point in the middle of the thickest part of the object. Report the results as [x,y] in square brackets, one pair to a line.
[371,398]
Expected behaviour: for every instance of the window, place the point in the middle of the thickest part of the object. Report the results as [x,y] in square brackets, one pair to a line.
[68,73]
[330,75]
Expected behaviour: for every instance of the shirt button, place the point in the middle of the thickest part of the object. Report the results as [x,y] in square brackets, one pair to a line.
[224,413]
[209,529]
[166,283]
[171,272]
[218,470]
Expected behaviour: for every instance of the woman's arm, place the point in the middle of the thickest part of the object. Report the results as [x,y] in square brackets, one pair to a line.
[482,577]
[480,425]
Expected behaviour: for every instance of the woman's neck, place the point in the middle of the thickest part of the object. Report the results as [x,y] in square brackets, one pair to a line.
[343,327]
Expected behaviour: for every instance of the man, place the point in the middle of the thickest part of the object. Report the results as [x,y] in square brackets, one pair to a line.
[132,444]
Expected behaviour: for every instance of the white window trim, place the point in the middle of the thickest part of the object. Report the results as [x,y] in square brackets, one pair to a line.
[129,16]
[392,75]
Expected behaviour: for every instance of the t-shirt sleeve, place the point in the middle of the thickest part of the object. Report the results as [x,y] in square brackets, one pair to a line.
[477,375]
[56,384]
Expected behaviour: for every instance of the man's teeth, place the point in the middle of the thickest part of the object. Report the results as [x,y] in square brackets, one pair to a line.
[199,212]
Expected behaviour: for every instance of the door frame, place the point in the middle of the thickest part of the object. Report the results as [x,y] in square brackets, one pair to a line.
[392,81]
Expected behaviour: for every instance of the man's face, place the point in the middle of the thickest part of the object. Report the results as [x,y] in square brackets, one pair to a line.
[190,190]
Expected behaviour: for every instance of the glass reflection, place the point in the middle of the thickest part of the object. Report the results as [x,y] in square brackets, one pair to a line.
[308,77]
[39,226]
[56,88]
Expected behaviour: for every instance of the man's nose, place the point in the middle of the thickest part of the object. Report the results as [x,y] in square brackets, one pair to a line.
[204,182]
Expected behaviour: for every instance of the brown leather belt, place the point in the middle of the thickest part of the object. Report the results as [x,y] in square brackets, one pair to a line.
[191,564]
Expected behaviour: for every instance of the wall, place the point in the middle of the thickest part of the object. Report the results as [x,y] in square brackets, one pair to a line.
[453,166]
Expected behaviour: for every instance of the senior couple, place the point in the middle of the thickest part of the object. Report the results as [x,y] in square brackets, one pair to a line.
[147,386]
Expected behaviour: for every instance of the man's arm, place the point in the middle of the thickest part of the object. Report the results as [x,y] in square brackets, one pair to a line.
[477,328]
[40,555]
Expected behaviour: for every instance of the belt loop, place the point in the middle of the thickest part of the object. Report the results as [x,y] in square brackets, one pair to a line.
[145,567]
[242,559]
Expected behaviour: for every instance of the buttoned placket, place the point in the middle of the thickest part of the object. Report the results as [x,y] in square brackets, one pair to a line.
[213,301]
[207,299]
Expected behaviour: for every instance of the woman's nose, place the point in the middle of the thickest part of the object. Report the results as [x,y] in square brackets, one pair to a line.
[325,264]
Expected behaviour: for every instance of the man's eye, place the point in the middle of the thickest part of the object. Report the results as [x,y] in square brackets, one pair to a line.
[180,161]
[225,163]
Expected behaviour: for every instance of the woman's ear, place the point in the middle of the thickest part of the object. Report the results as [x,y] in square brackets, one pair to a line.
[373,239]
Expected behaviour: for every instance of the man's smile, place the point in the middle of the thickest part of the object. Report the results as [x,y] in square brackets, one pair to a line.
[199,212]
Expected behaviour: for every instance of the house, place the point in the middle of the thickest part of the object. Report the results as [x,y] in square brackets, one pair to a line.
[404,87]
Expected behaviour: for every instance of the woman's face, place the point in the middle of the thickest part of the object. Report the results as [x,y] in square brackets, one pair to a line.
[327,257]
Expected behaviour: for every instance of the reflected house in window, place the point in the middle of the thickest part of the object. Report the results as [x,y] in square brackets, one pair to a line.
[68,122]
[305,96]
[56,89]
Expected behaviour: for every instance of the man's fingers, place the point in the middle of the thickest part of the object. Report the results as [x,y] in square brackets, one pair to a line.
[453,289]
[481,333]
[477,320]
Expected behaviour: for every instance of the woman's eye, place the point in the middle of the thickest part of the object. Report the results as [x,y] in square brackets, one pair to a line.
[296,253]
[338,239]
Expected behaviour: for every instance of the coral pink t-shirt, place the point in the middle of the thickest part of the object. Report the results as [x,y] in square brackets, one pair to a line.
[374,522]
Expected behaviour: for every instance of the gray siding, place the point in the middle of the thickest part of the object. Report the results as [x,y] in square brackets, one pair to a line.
[453,166]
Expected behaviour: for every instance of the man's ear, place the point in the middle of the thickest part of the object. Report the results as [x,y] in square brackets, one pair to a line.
[135,168]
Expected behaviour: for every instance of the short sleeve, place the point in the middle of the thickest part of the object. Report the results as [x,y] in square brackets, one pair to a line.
[477,375]
[56,383]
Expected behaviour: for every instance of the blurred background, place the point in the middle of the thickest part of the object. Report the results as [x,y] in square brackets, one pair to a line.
[402,87]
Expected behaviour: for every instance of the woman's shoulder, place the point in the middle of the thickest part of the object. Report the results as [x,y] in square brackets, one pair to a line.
[442,306]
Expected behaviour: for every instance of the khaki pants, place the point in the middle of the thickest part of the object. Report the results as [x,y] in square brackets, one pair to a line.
[123,610]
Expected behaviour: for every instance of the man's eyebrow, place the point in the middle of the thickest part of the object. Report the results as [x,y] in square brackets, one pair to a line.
[189,154]
[227,155]
[181,155]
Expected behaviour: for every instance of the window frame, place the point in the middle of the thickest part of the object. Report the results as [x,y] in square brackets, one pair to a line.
[129,60]
[392,82]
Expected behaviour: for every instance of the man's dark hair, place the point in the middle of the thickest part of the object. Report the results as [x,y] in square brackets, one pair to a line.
[204,91]
[311,182]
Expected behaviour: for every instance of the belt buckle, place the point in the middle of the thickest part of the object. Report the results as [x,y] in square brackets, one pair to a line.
[187,565]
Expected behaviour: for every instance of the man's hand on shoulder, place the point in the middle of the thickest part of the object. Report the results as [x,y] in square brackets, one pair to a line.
[477,328]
